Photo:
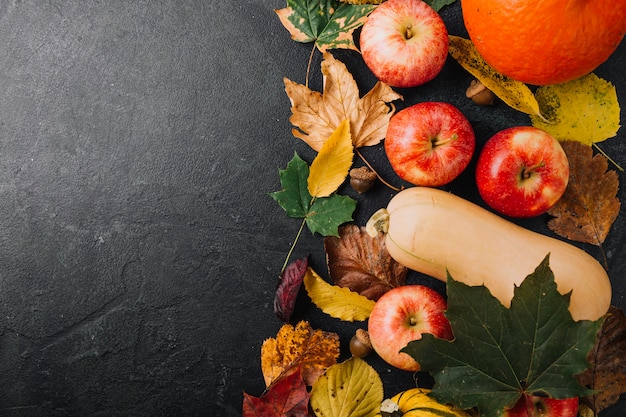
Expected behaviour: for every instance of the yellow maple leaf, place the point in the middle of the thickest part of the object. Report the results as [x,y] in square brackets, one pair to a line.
[315,116]
[351,388]
[298,347]
[330,167]
[585,110]
[514,93]
[336,301]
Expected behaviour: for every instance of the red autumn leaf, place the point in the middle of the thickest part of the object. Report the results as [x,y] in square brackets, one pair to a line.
[361,263]
[288,397]
[287,291]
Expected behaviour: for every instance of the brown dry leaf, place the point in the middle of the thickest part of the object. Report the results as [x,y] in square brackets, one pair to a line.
[361,263]
[298,347]
[315,116]
[607,373]
[589,206]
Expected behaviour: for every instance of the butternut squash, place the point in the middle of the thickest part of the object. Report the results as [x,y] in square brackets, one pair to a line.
[432,231]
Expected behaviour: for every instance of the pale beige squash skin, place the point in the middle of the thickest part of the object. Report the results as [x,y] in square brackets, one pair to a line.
[432,231]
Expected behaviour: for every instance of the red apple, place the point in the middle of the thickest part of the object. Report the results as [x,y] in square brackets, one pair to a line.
[522,171]
[404,42]
[429,143]
[402,315]
[535,406]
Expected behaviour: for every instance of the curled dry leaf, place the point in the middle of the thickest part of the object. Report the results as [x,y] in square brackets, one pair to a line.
[288,288]
[315,116]
[362,263]
[589,206]
[607,373]
[298,347]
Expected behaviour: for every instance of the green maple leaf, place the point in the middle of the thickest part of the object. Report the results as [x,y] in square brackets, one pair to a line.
[328,213]
[328,23]
[323,215]
[498,354]
[294,198]
[439,4]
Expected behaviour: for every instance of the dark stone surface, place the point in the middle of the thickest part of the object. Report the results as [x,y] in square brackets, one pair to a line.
[139,248]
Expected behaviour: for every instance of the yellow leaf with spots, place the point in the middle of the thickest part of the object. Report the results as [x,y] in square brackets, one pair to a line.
[351,388]
[514,93]
[298,347]
[584,110]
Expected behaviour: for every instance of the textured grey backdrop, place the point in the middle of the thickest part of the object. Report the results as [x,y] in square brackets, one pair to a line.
[139,250]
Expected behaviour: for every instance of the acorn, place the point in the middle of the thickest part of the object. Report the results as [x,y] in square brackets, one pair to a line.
[480,94]
[362,179]
[360,345]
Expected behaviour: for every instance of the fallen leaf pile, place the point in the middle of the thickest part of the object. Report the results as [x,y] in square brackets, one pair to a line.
[498,353]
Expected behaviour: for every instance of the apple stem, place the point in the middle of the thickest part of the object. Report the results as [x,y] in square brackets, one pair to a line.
[527,171]
[437,141]
[409,31]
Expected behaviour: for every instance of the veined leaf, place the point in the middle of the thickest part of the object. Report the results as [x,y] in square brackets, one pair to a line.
[337,302]
[322,215]
[328,213]
[330,167]
[585,110]
[328,23]
[348,389]
[498,354]
[315,116]
[514,93]
[294,197]
[298,347]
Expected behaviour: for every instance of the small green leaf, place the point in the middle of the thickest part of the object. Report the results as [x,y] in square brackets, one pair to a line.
[323,215]
[294,198]
[327,214]
[328,23]
[439,4]
[498,354]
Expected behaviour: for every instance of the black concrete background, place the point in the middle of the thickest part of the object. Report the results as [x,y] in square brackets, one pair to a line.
[139,250]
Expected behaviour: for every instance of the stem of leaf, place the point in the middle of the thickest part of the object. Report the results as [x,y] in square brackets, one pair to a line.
[293,245]
[375,172]
[308,67]
[595,145]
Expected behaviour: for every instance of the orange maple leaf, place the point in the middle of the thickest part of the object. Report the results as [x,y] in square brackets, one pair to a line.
[315,116]
[298,347]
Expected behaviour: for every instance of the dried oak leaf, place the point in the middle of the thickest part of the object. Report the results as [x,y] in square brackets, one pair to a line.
[361,263]
[607,373]
[298,347]
[315,116]
[288,397]
[589,206]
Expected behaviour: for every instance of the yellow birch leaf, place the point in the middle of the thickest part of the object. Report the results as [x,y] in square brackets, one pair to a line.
[299,346]
[514,93]
[348,389]
[330,167]
[336,301]
[584,110]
